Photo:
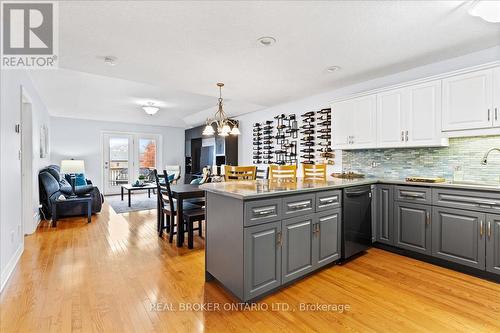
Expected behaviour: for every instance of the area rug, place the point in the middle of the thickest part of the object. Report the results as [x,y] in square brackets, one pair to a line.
[139,202]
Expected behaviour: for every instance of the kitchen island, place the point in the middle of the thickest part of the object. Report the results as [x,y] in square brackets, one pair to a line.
[264,234]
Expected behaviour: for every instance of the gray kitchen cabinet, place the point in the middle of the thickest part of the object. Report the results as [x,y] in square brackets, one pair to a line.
[412,229]
[493,243]
[297,247]
[459,236]
[327,237]
[384,200]
[262,258]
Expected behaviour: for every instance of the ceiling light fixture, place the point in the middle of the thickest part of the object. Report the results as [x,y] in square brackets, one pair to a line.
[332,69]
[488,10]
[150,109]
[266,41]
[110,60]
[221,121]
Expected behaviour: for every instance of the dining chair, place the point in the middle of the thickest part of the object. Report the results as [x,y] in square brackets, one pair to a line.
[314,171]
[239,172]
[282,172]
[167,208]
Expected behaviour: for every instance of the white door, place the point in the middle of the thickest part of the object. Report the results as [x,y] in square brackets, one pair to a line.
[342,120]
[423,114]
[467,101]
[118,161]
[496,97]
[390,119]
[364,122]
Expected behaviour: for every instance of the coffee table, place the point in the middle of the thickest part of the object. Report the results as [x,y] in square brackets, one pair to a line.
[129,188]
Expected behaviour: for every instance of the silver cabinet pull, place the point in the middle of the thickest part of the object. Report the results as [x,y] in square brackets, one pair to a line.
[406,136]
[496,113]
[481,228]
[328,201]
[467,200]
[489,229]
[427,218]
[299,205]
[402,136]
[412,195]
[264,211]
[489,115]
[279,239]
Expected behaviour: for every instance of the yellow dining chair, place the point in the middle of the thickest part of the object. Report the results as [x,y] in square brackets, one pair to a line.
[314,171]
[282,172]
[232,173]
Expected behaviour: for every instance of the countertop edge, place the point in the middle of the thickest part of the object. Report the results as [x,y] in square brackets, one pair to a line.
[366,181]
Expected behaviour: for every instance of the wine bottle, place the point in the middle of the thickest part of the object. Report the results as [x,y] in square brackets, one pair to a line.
[308,120]
[325,117]
[326,143]
[327,155]
[280,116]
[309,156]
[307,162]
[307,138]
[325,150]
[307,126]
[325,123]
[325,111]
[308,132]
[256,125]
[307,150]
[308,143]
[324,137]
[268,147]
[324,130]
[308,114]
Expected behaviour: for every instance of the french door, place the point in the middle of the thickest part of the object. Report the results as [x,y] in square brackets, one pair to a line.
[126,157]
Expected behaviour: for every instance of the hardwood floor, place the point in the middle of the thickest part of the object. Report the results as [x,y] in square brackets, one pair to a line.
[105,276]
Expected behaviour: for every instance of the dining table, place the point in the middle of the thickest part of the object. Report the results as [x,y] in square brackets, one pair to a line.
[181,192]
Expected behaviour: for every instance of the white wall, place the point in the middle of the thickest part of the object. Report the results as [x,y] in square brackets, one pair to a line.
[11,228]
[320,101]
[81,139]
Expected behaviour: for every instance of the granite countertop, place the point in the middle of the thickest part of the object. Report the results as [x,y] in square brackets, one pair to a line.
[253,189]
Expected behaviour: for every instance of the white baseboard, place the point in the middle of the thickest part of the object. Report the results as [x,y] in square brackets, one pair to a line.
[11,265]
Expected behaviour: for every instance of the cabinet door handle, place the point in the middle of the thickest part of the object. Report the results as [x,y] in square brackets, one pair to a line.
[406,136]
[328,201]
[402,136]
[496,113]
[481,228]
[299,205]
[428,218]
[489,114]
[489,229]
[279,239]
[263,211]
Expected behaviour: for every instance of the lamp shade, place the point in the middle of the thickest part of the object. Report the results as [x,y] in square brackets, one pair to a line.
[72,166]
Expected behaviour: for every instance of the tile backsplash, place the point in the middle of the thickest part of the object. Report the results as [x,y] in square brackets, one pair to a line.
[463,153]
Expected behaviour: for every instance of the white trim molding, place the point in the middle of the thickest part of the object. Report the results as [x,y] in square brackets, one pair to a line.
[11,265]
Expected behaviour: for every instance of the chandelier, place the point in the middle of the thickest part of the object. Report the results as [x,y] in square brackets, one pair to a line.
[224,125]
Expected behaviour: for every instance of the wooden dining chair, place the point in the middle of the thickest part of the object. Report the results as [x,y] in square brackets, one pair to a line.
[314,171]
[232,173]
[167,209]
[282,172]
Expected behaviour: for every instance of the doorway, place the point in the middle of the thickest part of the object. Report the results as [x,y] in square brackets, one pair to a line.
[128,156]
[28,211]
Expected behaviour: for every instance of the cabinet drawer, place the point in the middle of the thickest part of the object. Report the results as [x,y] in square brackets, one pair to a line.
[298,205]
[488,202]
[328,200]
[262,211]
[414,194]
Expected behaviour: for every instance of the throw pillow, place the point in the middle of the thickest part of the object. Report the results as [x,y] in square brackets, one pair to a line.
[80,179]
[195,181]
[171,178]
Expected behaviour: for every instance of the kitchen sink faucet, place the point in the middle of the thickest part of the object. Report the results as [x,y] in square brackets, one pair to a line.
[484,161]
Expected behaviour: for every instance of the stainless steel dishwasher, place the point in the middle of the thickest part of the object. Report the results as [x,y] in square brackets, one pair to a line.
[357,221]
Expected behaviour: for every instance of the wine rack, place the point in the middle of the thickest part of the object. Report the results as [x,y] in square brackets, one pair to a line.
[286,135]
[267,142]
[307,141]
[324,136]
[257,143]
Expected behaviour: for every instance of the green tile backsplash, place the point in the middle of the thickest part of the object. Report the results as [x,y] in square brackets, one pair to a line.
[464,153]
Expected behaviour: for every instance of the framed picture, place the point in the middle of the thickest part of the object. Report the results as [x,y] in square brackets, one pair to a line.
[44,141]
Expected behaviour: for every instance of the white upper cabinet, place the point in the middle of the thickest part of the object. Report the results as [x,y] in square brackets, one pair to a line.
[467,101]
[365,122]
[390,119]
[423,115]
[496,97]
[354,123]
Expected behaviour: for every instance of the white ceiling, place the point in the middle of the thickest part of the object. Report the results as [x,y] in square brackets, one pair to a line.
[175,52]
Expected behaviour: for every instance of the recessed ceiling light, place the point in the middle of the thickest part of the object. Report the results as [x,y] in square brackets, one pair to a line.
[266,41]
[332,69]
[110,60]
